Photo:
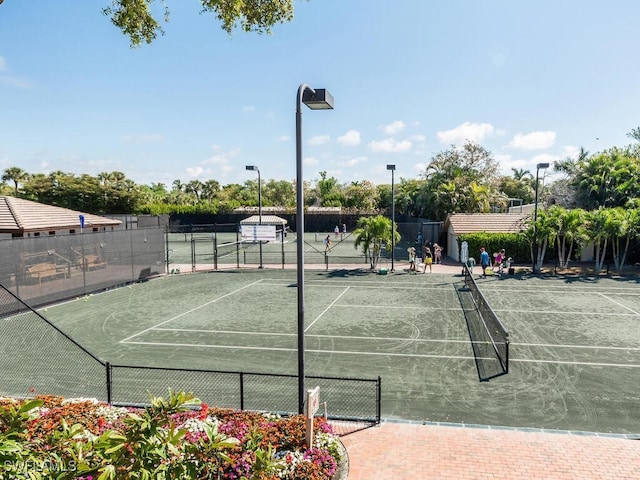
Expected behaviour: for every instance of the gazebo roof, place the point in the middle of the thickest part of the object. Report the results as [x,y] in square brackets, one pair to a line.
[19,216]
[487,222]
[266,220]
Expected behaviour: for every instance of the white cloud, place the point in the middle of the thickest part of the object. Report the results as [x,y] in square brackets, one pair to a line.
[249,108]
[13,81]
[311,161]
[284,138]
[220,159]
[474,132]
[533,140]
[394,128]
[142,138]
[16,81]
[350,139]
[418,138]
[354,161]
[319,140]
[390,145]
[194,172]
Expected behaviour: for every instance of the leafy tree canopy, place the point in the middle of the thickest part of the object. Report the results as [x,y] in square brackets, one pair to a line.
[136,19]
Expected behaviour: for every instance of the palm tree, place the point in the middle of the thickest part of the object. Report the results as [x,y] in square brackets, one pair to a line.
[602,227]
[521,174]
[16,175]
[371,233]
[569,231]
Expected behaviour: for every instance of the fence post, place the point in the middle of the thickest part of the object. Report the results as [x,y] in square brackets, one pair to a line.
[241,390]
[166,240]
[215,250]
[109,383]
[379,401]
[238,245]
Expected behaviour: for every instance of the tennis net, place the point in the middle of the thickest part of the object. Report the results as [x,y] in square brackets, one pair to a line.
[492,325]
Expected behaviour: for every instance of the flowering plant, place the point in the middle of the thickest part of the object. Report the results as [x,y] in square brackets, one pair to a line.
[177,438]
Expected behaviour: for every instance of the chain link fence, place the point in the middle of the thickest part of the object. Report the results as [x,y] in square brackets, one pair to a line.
[45,269]
[36,357]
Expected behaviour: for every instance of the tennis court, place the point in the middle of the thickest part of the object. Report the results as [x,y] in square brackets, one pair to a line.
[574,352]
[210,250]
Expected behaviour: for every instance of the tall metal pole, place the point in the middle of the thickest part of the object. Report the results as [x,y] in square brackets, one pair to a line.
[319,99]
[535,218]
[393,218]
[300,246]
[260,211]
[535,226]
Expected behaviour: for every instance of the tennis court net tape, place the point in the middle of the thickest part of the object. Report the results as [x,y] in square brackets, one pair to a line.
[492,324]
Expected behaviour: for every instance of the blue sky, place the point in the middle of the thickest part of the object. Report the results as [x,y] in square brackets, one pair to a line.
[530,81]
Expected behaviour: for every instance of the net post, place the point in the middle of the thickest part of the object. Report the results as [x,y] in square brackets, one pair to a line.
[506,368]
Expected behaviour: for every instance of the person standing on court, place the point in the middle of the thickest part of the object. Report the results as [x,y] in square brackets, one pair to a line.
[336,230]
[327,243]
[500,258]
[437,253]
[428,260]
[344,228]
[484,261]
[412,259]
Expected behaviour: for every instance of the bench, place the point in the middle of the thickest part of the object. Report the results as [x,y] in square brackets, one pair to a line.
[41,271]
[94,262]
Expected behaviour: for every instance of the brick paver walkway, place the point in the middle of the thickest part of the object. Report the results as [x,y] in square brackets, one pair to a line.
[399,451]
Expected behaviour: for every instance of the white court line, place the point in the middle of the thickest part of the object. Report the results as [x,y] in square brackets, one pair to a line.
[377,286]
[346,352]
[564,312]
[381,354]
[399,307]
[618,303]
[327,309]
[350,337]
[188,312]
[588,364]
[399,339]
[595,347]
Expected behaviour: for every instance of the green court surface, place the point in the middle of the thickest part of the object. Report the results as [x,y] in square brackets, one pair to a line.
[574,353]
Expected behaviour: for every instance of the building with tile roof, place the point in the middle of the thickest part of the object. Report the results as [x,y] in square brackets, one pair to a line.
[24,218]
[460,223]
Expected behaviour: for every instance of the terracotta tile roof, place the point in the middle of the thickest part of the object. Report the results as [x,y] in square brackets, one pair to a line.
[487,222]
[23,216]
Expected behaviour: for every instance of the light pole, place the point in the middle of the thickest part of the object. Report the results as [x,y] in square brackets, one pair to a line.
[318,99]
[256,169]
[393,214]
[535,216]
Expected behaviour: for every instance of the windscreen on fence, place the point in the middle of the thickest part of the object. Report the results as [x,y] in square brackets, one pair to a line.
[46,269]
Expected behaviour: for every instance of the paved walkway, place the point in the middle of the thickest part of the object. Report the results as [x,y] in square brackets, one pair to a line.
[402,451]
